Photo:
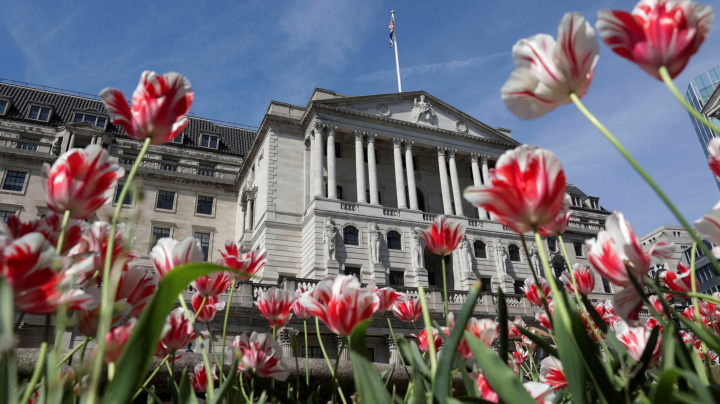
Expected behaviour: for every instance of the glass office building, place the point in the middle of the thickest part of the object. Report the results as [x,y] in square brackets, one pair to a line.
[698,92]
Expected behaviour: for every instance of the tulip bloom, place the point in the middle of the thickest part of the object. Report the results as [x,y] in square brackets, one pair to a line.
[424,343]
[180,334]
[558,225]
[242,266]
[485,329]
[199,378]
[81,181]
[48,226]
[533,295]
[708,227]
[584,278]
[407,310]
[547,72]
[93,247]
[714,156]
[513,332]
[209,309]
[443,236]
[262,355]
[657,33]
[388,297]
[159,106]
[276,306]
[116,339]
[298,309]
[635,339]
[526,190]
[552,373]
[543,318]
[213,284]
[341,303]
[678,282]
[169,253]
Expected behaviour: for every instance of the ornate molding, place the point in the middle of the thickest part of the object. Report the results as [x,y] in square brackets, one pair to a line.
[408,145]
[451,153]
[461,127]
[383,110]
[359,135]
[371,137]
[397,142]
[474,158]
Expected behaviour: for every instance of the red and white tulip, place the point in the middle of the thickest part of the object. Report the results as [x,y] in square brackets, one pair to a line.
[169,253]
[584,278]
[388,297]
[714,156]
[679,282]
[180,333]
[635,339]
[262,355]
[298,309]
[242,266]
[484,329]
[213,284]
[208,310]
[49,226]
[531,291]
[93,247]
[276,306]
[552,373]
[200,380]
[424,343]
[407,310]
[116,339]
[513,332]
[558,225]
[443,236]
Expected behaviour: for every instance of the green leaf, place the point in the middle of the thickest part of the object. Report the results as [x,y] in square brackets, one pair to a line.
[503,323]
[135,362]
[711,339]
[367,380]
[447,357]
[229,381]
[498,374]
[662,391]
[186,393]
[599,322]
[414,356]
[8,364]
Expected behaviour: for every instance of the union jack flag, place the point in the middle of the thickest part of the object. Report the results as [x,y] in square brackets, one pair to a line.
[392,30]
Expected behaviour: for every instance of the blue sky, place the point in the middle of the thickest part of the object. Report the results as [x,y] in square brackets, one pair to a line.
[241,55]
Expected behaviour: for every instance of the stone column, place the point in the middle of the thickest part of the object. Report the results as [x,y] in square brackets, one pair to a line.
[394,351]
[94,139]
[444,186]
[455,183]
[309,172]
[332,182]
[345,354]
[248,216]
[319,162]
[286,342]
[72,141]
[410,169]
[477,180]
[372,168]
[399,180]
[485,173]
[360,166]
[241,218]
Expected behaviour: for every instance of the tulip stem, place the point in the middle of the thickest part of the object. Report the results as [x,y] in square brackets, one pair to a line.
[665,75]
[36,374]
[609,136]
[157,369]
[108,286]
[61,237]
[200,309]
[210,385]
[559,302]
[69,355]
[430,338]
[397,348]
[220,365]
[224,331]
[540,290]
[447,311]
[327,360]
[693,285]
[307,356]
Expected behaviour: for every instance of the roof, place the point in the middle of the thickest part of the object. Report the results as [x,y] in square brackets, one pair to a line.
[233,140]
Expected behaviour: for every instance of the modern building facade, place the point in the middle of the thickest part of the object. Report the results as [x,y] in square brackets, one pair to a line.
[698,93]
[669,234]
[337,186]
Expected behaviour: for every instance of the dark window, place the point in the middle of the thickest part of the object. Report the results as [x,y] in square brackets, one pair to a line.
[312,352]
[169,164]
[350,236]
[339,192]
[514,252]
[209,141]
[177,139]
[128,196]
[165,200]
[479,248]
[485,285]
[204,205]
[558,268]
[394,240]
[552,245]
[3,106]
[431,279]
[28,146]
[98,121]
[518,285]
[578,249]
[606,286]
[39,113]
[204,239]
[4,215]
[352,271]
[127,158]
[576,201]
[396,278]
[371,354]
[207,170]
[157,234]
[14,181]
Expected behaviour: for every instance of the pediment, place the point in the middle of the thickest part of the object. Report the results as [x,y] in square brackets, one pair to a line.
[418,108]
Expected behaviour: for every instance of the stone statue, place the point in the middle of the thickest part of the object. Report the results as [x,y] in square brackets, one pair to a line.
[535,257]
[330,237]
[374,235]
[418,250]
[466,255]
[500,258]
[423,110]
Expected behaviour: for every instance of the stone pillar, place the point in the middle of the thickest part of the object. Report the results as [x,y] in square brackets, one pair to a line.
[394,351]
[285,341]
[399,180]
[485,173]
[410,169]
[94,139]
[72,141]
[455,183]
[332,182]
[477,180]
[309,172]
[345,354]
[248,216]
[241,219]
[319,162]
[360,166]
[372,168]
[444,186]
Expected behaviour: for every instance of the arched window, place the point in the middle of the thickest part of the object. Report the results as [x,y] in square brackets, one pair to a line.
[552,245]
[479,248]
[420,198]
[350,236]
[558,268]
[514,252]
[394,240]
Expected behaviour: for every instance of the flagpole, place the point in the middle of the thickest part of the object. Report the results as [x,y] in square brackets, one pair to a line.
[397,62]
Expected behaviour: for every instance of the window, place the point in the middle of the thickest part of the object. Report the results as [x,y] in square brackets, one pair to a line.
[14,181]
[485,285]
[354,271]
[350,236]
[204,239]
[128,196]
[594,204]
[312,352]
[396,278]
[394,240]
[431,279]
[165,200]
[518,285]
[207,170]
[39,113]
[606,286]
[98,121]
[576,201]
[28,146]
[177,139]
[168,164]
[157,234]
[420,198]
[552,245]
[371,354]
[127,158]
[479,249]
[339,192]
[558,268]
[204,205]
[578,249]
[209,141]
[514,252]
[3,107]
[5,215]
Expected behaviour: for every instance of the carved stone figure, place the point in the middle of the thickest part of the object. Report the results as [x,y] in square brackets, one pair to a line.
[466,255]
[500,258]
[374,234]
[330,237]
[535,256]
[418,250]
[423,110]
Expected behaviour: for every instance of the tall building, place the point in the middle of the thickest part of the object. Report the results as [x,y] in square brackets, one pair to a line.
[698,93]
[337,186]
[669,234]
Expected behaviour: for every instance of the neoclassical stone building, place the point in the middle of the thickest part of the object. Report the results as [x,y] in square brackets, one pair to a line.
[337,186]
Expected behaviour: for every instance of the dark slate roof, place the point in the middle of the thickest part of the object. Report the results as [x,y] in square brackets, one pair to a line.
[572,190]
[233,140]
